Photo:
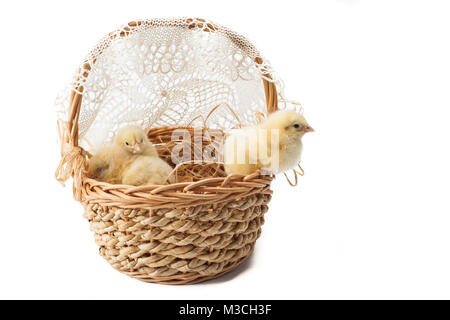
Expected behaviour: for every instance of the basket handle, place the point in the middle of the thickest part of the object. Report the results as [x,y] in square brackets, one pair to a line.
[73,157]
[76,96]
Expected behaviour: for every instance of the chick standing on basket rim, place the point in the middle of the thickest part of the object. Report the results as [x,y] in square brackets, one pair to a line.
[274,145]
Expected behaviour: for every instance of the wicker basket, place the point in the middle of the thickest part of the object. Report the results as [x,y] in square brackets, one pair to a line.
[181,233]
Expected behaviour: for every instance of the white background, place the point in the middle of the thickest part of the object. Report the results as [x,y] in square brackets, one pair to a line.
[370,218]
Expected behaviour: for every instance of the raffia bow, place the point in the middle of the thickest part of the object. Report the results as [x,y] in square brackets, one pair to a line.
[73,159]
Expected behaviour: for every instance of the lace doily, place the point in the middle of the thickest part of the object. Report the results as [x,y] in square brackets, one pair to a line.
[167,72]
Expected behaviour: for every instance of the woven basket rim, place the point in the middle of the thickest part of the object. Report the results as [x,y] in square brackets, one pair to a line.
[210,190]
[149,197]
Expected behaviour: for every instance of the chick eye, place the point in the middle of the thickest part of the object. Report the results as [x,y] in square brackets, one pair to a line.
[127,143]
[296,126]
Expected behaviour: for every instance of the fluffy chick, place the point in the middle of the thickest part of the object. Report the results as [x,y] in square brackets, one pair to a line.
[257,149]
[145,166]
[107,164]
[146,170]
[133,140]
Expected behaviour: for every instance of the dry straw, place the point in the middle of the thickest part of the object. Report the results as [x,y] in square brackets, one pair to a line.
[198,228]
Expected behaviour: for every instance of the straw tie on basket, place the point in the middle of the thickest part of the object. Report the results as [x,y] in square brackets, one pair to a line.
[72,162]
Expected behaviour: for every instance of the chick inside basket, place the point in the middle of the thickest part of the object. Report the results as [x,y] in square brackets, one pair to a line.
[159,156]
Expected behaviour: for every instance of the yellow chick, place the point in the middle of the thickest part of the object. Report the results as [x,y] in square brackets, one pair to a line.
[133,140]
[146,170]
[144,167]
[274,145]
[107,164]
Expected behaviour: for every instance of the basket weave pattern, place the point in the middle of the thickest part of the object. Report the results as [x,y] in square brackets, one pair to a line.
[176,246]
[186,232]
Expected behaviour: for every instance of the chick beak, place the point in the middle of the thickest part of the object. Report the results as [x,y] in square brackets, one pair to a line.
[309,129]
[136,148]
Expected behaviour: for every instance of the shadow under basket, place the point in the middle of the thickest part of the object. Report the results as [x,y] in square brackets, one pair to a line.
[185,232]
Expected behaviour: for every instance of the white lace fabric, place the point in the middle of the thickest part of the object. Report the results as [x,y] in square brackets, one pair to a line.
[168,72]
